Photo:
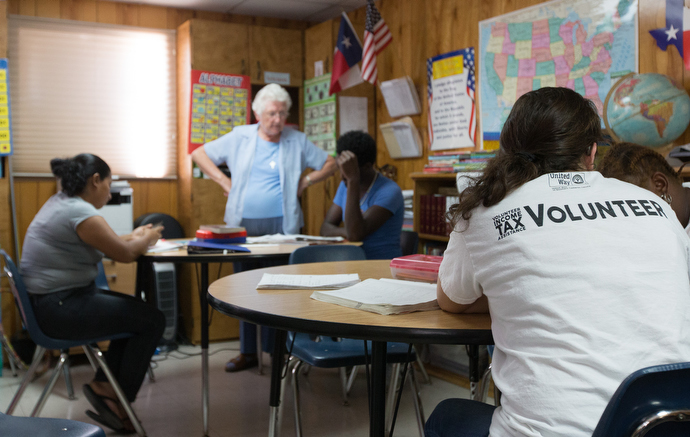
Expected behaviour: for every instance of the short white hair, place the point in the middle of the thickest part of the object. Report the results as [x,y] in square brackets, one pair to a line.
[271,93]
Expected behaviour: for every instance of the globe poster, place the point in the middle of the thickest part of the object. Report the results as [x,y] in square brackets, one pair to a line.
[585,45]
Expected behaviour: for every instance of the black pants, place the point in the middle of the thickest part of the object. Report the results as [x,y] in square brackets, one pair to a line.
[88,313]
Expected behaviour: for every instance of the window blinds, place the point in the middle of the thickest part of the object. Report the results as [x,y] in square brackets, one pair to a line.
[80,87]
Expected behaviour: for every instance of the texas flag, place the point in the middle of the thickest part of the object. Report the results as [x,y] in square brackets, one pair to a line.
[677,30]
[348,52]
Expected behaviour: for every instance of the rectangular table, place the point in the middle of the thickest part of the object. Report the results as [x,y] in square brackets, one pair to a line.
[258,252]
[294,310]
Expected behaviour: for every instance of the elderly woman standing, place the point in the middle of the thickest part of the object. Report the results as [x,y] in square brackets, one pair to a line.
[266,161]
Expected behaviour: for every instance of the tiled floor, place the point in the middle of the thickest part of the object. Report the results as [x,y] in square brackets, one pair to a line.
[171,406]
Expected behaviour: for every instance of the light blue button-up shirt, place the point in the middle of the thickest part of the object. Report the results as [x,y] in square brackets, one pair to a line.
[237,148]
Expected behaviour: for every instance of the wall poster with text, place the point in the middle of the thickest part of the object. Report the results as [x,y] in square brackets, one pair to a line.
[5,120]
[452,120]
[219,103]
[319,113]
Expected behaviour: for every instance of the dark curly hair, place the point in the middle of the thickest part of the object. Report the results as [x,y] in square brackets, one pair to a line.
[359,143]
[635,164]
[548,130]
[75,172]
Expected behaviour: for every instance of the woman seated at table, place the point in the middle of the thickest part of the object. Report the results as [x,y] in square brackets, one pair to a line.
[585,278]
[63,246]
[370,204]
[646,168]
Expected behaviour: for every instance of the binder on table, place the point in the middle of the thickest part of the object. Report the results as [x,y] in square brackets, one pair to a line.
[206,247]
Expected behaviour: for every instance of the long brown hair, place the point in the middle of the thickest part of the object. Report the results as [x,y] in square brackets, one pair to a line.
[635,164]
[548,130]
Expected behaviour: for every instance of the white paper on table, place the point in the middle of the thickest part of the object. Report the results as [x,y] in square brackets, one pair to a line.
[165,246]
[291,238]
[387,291]
[290,282]
[353,114]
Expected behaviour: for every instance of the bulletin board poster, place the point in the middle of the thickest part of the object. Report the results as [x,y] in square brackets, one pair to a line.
[319,113]
[219,103]
[452,119]
[5,119]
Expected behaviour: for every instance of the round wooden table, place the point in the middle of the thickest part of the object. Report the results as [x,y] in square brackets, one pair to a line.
[294,310]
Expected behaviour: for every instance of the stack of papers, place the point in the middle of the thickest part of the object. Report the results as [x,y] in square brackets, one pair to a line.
[383,296]
[165,246]
[293,238]
[294,282]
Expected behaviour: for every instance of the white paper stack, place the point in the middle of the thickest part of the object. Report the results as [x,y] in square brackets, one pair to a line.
[384,296]
[310,282]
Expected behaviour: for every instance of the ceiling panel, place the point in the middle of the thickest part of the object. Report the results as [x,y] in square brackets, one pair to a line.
[306,10]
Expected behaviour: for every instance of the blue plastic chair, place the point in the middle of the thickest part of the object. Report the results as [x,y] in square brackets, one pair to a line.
[41,427]
[327,352]
[652,402]
[43,343]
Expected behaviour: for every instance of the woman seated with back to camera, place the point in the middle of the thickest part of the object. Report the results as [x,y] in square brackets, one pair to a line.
[585,278]
[370,205]
[62,248]
[646,168]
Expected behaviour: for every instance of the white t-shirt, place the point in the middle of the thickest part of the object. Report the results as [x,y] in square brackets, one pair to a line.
[587,280]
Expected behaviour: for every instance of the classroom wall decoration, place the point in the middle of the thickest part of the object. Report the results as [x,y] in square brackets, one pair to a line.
[585,45]
[5,124]
[319,113]
[219,103]
[451,81]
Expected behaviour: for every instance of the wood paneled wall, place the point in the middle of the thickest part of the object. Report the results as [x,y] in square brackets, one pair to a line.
[422,29]
[149,195]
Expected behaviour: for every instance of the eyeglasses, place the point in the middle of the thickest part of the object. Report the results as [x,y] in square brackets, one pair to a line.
[281,114]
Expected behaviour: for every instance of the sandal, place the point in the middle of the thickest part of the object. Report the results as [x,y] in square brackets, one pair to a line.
[106,416]
[96,418]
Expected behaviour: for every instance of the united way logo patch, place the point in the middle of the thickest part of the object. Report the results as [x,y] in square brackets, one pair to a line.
[508,223]
[565,181]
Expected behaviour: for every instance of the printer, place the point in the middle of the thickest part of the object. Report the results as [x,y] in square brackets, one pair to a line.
[118,212]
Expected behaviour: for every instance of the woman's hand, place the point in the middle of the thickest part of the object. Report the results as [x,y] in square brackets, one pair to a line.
[140,231]
[348,165]
[152,234]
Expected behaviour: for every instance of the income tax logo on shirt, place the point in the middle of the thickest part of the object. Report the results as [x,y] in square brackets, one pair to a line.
[565,181]
[508,223]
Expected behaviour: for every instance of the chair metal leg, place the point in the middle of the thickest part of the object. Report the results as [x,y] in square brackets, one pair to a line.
[420,364]
[351,379]
[38,357]
[343,384]
[259,350]
[295,397]
[97,355]
[64,356]
[94,366]
[68,378]
[419,411]
[483,390]
[152,377]
[12,357]
[392,391]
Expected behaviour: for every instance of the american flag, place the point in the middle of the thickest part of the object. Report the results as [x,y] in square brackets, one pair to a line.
[468,65]
[376,38]
[430,94]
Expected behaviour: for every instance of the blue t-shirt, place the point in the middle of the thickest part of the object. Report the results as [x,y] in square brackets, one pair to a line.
[264,196]
[383,243]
